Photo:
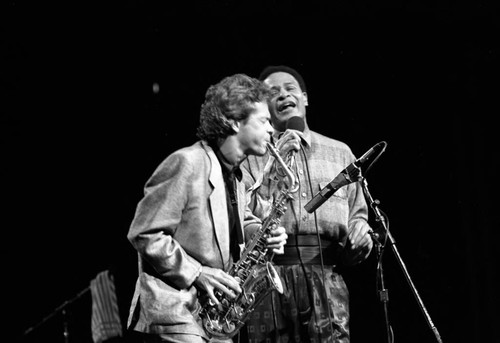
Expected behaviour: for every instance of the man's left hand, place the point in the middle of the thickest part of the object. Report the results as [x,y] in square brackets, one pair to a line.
[277,240]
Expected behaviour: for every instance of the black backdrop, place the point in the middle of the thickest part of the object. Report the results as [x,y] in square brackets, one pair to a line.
[82,130]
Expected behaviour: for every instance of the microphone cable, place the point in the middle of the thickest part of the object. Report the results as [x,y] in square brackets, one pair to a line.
[318,237]
[310,293]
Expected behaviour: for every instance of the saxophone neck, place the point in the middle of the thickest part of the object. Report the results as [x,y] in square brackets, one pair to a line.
[292,183]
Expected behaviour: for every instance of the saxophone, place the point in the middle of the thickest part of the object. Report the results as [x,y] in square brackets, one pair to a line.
[254,271]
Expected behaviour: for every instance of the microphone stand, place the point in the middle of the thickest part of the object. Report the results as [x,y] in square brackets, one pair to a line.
[61,308]
[383,293]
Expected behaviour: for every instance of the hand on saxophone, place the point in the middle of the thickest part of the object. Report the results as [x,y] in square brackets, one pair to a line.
[277,240]
[212,279]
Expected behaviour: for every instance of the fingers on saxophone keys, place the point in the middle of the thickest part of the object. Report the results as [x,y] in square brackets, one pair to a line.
[233,285]
[229,292]
[277,241]
[280,250]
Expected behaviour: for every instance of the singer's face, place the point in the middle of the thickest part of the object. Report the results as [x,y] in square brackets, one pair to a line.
[288,99]
[256,130]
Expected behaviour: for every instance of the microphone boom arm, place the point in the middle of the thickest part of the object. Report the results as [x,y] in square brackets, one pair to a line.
[350,174]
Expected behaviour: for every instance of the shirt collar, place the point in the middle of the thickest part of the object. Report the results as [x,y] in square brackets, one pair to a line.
[228,168]
[306,136]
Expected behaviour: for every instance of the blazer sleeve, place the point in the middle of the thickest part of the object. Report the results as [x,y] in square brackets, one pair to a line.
[157,217]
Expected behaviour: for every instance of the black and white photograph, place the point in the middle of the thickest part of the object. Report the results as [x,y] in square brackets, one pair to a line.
[276,171]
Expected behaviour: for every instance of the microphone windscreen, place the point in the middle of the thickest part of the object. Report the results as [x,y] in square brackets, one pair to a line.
[296,123]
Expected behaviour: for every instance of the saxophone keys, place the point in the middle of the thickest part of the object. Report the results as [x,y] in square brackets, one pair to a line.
[250,298]
[228,327]
[212,326]
[238,311]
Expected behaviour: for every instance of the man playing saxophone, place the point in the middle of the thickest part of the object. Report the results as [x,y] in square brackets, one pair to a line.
[189,228]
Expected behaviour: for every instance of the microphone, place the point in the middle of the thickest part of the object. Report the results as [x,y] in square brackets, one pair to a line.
[350,174]
[294,123]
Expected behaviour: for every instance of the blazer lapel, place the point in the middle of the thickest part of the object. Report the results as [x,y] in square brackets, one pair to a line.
[218,206]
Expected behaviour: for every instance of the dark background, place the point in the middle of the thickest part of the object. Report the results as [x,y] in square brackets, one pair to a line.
[82,130]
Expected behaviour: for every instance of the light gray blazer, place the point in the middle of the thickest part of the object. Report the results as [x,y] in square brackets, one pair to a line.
[180,224]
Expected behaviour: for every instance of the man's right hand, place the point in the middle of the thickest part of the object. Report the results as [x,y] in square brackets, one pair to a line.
[289,141]
[211,279]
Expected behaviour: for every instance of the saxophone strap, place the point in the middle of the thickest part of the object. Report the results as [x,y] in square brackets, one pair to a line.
[235,231]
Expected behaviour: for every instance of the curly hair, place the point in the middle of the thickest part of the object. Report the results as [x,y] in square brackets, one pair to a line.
[233,98]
